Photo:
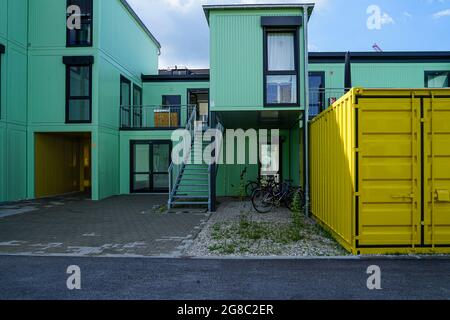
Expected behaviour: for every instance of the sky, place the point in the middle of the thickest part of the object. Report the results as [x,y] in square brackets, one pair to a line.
[336,25]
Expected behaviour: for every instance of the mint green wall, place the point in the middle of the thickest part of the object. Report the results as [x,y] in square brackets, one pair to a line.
[237,58]
[228,175]
[108,162]
[121,37]
[393,75]
[153,92]
[13,117]
[35,86]
[379,75]
[125,138]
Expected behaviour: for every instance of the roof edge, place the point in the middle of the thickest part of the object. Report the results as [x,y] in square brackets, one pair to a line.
[404,56]
[140,22]
[178,78]
[208,7]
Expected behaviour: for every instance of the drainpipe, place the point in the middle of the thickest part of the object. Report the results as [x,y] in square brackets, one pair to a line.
[348,72]
[306,113]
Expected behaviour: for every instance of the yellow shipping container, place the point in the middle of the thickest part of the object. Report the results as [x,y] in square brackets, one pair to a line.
[380,170]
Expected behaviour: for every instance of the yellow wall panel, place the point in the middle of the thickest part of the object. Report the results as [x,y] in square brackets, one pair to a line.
[59,164]
[380,170]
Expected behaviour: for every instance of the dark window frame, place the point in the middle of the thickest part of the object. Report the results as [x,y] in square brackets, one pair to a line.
[132,172]
[69,97]
[321,74]
[91,44]
[2,51]
[267,73]
[430,72]
[137,114]
[123,80]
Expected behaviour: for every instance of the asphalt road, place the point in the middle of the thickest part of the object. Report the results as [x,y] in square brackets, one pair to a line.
[180,279]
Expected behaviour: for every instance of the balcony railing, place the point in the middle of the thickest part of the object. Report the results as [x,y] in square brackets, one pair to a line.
[154,117]
[321,99]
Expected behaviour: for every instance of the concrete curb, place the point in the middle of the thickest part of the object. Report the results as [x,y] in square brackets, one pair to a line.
[179,257]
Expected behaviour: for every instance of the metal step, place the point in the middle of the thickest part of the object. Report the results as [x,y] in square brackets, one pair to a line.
[176,203]
[192,185]
[190,197]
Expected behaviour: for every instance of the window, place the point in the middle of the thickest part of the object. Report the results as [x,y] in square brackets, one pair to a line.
[281,67]
[437,79]
[316,93]
[137,106]
[168,101]
[125,102]
[81,37]
[173,105]
[78,89]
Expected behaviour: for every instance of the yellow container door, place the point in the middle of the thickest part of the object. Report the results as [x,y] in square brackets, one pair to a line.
[437,171]
[389,171]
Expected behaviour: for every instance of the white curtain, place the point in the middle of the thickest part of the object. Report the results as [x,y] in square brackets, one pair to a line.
[439,80]
[281,51]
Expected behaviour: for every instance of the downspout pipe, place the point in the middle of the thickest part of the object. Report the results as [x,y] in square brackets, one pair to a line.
[306,114]
[348,72]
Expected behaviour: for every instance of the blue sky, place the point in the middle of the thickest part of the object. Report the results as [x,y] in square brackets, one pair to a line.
[336,25]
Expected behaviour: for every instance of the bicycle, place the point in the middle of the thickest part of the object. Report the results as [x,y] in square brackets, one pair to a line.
[264,200]
[261,183]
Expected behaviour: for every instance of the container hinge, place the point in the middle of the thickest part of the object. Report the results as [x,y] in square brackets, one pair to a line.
[422,120]
[357,150]
[422,223]
[357,194]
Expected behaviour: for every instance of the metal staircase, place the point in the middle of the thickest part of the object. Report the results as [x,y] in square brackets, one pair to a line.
[191,183]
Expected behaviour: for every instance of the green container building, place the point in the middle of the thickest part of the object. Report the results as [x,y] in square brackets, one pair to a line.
[87,109]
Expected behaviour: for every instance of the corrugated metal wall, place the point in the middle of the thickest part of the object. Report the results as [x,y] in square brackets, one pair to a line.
[380,166]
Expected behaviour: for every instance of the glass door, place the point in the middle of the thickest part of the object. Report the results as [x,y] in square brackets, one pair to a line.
[140,167]
[270,161]
[150,161]
[160,165]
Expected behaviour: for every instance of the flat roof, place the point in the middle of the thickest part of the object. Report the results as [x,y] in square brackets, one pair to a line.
[208,7]
[388,56]
[140,23]
[324,57]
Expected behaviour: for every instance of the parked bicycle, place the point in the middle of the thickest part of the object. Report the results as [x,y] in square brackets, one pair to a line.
[262,183]
[279,194]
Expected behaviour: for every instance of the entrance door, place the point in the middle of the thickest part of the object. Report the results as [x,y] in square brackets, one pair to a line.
[150,161]
[404,158]
[270,161]
[200,98]
[436,220]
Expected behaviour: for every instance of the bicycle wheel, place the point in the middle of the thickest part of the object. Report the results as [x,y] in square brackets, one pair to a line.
[262,201]
[250,188]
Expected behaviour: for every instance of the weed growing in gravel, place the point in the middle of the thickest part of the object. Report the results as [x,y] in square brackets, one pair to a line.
[241,236]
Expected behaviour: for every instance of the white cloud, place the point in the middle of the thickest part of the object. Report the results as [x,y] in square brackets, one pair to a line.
[181,27]
[441,14]
[408,15]
[312,47]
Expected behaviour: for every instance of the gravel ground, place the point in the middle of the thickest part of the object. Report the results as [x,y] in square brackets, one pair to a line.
[220,235]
